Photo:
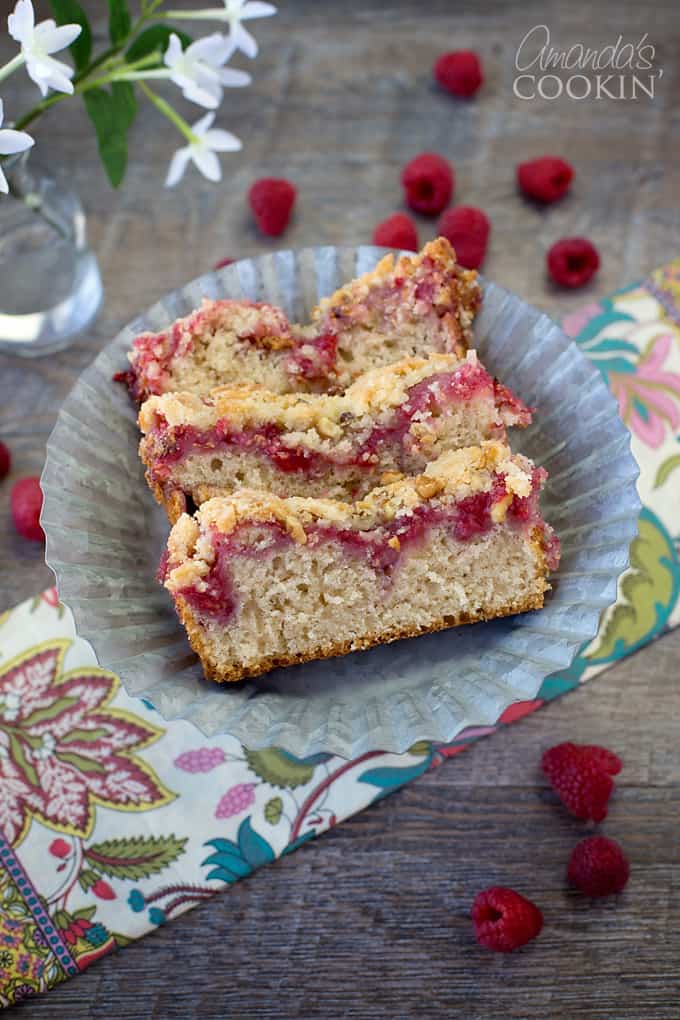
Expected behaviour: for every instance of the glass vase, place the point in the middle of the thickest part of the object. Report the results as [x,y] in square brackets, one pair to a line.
[50,285]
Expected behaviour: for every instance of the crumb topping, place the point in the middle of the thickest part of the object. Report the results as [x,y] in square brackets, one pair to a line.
[379,390]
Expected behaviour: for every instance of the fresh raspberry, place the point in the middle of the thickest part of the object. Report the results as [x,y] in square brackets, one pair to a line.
[222,263]
[467,228]
[428,182]
[5,461]
[598,866]
[572,261]
[397,231]
[545,179]
[504,920]
[236,800]
[580,775]
[271,200]
[26,503]
[459,72]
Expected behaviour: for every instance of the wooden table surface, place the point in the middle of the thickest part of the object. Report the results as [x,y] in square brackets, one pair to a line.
[372,920]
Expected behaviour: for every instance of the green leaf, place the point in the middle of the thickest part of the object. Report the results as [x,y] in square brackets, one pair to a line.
[69,12]
[666,469]
[135,857]
[80,762]
[110,113]
[278,768]
[87,878]
[84,736]
[18,753]
[648,593]
[272,810]
[124,97]
[62,919]
[85,913]
[421,747]
[119,21]
[50,712]
[121,940]
[156,37]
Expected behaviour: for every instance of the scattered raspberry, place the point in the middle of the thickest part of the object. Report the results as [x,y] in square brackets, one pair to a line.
[236,800]
[397,231]
[580,775]
[467,228]
[428,182]
[598,866]
[546,179]
[271,200]
[504,920]
[572,261]
[459,72]
[5,461]
[222,263]
[26,503]
[202,760]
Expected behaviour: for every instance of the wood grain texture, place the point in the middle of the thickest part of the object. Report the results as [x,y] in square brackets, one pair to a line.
[372,919]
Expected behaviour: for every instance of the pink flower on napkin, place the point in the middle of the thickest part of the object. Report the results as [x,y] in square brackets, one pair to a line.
[649,398]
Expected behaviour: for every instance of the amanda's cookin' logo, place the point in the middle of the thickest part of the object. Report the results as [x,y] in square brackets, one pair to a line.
[622,70]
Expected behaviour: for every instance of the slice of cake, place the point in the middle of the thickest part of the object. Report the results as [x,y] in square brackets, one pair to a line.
[260,581]
[393,419]
[412,306]
[419,305]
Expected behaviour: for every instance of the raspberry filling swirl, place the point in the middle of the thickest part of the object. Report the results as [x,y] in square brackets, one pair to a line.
[427,398]
[214,599]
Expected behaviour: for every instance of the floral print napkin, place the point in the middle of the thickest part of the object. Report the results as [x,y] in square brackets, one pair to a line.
[108,827]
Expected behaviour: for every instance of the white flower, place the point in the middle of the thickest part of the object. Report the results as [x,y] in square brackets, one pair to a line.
[202,151]
[37,42]
[234,12]
[11,142]
[244,10]
[199,70]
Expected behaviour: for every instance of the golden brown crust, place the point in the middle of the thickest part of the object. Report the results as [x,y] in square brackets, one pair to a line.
[172,501]
[439,250]
[196,634]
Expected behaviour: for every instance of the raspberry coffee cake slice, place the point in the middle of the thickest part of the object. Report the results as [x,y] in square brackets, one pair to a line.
[416,305]
[260,581]
[393,419]
[421,305]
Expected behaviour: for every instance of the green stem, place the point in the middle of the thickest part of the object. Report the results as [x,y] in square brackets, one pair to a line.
[206,14]
[85,84]
[168,112]
[112,51]
[11,66]
[138,75]
[39,109]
